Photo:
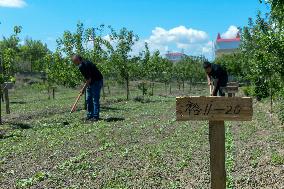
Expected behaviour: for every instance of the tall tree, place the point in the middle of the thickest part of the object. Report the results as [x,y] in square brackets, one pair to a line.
[121,57]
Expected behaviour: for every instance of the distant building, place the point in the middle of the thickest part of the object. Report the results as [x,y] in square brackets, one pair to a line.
[175,56]
[226,46]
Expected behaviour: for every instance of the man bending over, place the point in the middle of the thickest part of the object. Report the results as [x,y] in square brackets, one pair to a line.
[217,76]
[94,80]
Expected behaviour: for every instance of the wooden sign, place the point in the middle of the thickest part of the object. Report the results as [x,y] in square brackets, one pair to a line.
[214,108]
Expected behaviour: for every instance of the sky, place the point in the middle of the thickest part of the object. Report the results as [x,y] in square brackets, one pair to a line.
[167,25]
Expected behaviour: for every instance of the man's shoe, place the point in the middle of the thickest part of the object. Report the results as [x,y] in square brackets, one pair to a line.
[95,119]
[88,119]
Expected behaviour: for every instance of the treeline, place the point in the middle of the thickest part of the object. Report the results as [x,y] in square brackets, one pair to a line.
[110,50]
[15,56]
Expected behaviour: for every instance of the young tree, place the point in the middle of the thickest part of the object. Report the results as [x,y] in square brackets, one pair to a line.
[121,58]
[143,68]
[155,69]
[167,73]
[182,72]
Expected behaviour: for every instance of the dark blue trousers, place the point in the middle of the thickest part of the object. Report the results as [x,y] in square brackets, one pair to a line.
[93,93]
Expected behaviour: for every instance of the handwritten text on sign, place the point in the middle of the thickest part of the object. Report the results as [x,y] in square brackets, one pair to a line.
[214,108]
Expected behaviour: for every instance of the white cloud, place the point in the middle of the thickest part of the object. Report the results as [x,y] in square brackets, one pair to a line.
[230,33]
[178,35]
[13,3]
[192,41]
[207,49]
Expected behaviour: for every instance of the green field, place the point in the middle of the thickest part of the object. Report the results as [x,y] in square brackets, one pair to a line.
[138,144]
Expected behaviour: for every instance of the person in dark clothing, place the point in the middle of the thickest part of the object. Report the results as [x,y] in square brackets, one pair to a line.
[94,80]
[216,75]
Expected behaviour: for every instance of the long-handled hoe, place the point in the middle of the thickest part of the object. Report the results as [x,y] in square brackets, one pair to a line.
[78,98]
[73,109]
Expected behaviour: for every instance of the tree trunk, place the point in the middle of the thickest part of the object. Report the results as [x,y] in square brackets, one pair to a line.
[127,89]
[0,106]
[6,93]
[166,87]
[48,92]
[190,85]
[143,88]
[271,104]
[108,89]
[85,100]
[271,99]
[31,65]
[179,86]
[152,88]
[53,93]
[104,93]
[170,88]
[183,86]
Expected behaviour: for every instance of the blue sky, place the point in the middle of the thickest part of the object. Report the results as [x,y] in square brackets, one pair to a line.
[166,25]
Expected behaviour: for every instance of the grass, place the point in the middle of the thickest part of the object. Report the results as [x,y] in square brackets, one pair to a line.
[138,144]
[229,144]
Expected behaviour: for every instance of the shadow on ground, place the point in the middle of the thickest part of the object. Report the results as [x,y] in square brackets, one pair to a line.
[18,102]
[21,126]
[106,109]
[114,119]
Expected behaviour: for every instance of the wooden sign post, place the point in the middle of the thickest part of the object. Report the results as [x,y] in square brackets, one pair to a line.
[216,110]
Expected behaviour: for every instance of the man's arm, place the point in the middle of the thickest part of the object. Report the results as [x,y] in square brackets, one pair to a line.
[88,81]
[208,79]
[210,84]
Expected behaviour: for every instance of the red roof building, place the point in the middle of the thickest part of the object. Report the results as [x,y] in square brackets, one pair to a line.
[225,46]
[175,56]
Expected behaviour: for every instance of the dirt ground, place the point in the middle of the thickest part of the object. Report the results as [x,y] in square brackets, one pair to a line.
[137,144]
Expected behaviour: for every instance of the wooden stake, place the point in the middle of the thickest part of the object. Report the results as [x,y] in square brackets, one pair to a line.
[217,154]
